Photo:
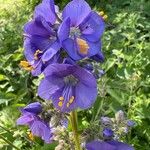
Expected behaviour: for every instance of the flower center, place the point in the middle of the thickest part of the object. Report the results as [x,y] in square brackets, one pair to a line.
[75,31]
[71,80]
[37,54]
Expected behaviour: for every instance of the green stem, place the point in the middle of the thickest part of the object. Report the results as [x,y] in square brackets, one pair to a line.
[7,141]
[99,109]
[74,124]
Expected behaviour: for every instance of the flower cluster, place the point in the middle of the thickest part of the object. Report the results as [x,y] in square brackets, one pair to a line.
[61,45]
[116,127]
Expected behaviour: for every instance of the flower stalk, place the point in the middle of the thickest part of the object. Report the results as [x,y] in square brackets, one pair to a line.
[74,124]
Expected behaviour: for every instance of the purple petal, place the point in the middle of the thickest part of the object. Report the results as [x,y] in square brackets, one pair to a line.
[64,30]
[51,52]
[26,119]
[99,145]
[41,43]
[85,95]
[38,69]
[38,27]
[39,128]
[58,70]
[49,86]
[70,46]
[34,108]
[92,27]
[130,123]
[68,60]
[98,57]
[107,132]
[120,145]
[86,89]
[35,43]
[46,10]
[29,50]
[94,48]
[77,11]
[85,77]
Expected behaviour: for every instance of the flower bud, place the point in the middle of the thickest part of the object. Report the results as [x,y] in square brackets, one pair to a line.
[108,133]
[106,121]
[119,116]
[130,123]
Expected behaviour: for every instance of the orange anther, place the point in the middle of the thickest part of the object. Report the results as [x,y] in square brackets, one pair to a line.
[83,46]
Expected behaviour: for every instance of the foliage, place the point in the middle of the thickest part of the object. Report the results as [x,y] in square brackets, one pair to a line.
[125,85]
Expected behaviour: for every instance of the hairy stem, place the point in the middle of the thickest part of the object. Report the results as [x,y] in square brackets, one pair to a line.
[74,124]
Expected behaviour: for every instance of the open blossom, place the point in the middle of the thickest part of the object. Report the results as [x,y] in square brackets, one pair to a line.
[81,30]
[109,145]
[37,126]
[41,44]
[68,86]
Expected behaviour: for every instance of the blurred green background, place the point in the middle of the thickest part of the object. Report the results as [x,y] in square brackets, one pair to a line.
[126,84]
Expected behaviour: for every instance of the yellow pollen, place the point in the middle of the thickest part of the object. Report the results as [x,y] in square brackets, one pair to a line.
[105,17]
[60,104]
[36,54]
[71,100]
[101,13]
[61,98]
[26,65]
[31,137]
[68,104]
[83,46]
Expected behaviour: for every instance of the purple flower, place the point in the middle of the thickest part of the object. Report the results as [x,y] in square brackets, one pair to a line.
[41,45]
[68,86]
[109,145]
[130,123]
[35,108]
[81,30]
[37,126]
[46,10]
[108,133]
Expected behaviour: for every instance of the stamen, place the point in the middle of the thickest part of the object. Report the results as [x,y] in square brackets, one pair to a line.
[61,98]
[83,46]
[101,13]
[31,137]
[71,100]
[68,104]
[26,65]
[37,53]
[72,97]
[60,104]
[105,17]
